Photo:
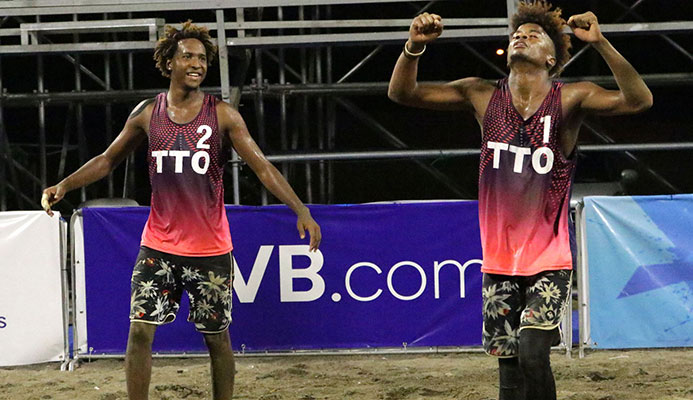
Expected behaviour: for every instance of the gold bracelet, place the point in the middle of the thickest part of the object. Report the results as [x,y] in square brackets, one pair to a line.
[409,54]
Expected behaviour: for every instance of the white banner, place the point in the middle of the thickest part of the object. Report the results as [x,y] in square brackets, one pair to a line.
[31,298]
[79,304]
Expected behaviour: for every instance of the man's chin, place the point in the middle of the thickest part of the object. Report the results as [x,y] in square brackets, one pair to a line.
[520,58]
[517,56]
[192,85]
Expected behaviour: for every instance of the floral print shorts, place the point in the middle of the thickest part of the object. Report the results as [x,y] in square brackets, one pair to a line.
[513,303]
[158,281]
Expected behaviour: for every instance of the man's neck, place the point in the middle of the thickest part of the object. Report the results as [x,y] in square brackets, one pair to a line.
[179,95]
[526,79]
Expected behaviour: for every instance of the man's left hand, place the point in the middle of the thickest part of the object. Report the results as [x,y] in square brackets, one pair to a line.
[305,223]
[586,27]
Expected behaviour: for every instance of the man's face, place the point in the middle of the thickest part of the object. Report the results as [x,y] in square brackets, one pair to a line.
[189,64]
[531,43]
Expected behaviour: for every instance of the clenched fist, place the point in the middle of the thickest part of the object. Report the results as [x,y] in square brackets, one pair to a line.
[424,28]
[586,27]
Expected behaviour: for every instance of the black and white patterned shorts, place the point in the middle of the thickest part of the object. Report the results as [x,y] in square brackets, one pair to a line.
[158,281]
[513,303]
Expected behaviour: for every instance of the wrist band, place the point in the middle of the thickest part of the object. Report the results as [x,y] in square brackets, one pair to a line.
[413,55]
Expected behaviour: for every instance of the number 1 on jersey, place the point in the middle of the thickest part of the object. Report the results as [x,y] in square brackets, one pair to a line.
[546,119]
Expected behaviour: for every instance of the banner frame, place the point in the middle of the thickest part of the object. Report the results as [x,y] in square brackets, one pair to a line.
[78,353]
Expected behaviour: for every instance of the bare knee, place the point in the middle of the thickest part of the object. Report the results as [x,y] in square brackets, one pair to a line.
[218,342]
[141,335]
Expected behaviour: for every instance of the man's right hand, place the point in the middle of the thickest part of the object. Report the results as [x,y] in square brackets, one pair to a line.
[51,196]
[425,28]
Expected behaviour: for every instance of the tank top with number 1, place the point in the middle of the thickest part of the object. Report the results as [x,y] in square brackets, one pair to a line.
[524,188]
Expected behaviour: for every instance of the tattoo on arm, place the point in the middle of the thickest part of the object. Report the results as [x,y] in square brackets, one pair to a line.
[138,110]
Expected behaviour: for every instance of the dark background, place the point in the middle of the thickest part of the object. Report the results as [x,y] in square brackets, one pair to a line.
[669,120]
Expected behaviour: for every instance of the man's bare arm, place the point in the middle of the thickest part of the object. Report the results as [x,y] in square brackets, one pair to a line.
[633,95]
[405,89]
[126,142]
[232,124]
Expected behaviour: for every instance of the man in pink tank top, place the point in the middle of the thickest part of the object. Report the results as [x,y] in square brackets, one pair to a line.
[186,242]
[529,127]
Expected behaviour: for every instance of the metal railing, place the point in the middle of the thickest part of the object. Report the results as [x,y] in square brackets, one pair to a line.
[317,33]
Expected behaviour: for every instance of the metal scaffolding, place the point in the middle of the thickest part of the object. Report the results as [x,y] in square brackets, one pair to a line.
[289,41]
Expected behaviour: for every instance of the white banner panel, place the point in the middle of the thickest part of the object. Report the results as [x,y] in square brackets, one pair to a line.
[79,325]
[31,313]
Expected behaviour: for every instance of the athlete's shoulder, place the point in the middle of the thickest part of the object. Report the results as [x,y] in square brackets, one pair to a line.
[229,118]
[580,87]
[474,84]
[144,105]
[573,93]
[226,109]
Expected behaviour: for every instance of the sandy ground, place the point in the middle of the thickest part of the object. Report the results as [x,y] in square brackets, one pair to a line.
[602,375]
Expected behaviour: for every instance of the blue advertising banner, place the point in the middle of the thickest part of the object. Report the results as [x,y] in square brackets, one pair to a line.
[640,252]
[385,275]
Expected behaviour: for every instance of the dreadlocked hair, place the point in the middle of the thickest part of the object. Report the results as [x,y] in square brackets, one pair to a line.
[539,12]
[168,44]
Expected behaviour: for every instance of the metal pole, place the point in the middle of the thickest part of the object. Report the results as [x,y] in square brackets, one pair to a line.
[109,112]
[42,123]
[76,217]
[331,120]
[259,100]
[120,68]
[260,110]
[66,141]
[583,280]
[282,99]
[81,140]
[405,153]
[373,155]
[320,115]
[129,175]
[226,91]
[304,104]
[240,17]
[65,290]
[511,7]
[275,90]
[223,57]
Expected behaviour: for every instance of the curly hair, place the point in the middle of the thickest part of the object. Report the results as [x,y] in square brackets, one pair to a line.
[168,44]
[539,12]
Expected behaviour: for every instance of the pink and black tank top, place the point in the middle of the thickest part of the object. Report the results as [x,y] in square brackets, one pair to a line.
[186,164]
[524,188]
